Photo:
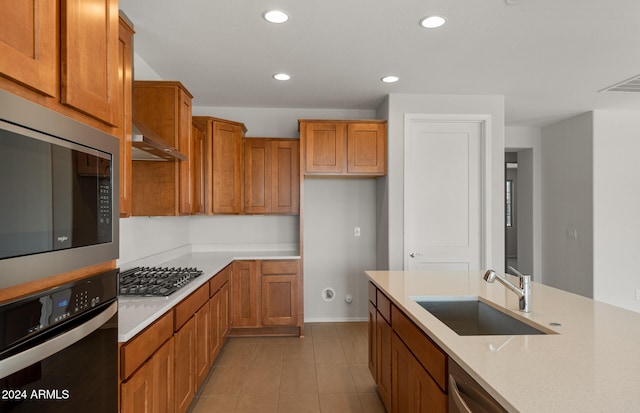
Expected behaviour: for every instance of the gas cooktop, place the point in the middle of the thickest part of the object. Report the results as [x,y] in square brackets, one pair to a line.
[155,281]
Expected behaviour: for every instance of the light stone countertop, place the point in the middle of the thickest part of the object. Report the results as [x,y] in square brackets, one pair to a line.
[592,364]
[137,313]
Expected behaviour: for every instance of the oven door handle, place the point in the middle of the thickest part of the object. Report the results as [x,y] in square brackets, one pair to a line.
[40,352]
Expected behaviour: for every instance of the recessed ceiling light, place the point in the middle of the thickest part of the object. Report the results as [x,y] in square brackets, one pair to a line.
[275,16]
[281,76]
[432,22]
[390,79]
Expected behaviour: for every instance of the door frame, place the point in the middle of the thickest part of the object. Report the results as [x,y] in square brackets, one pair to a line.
[485,166]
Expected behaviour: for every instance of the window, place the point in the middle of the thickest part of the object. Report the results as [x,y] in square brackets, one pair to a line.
[509,204]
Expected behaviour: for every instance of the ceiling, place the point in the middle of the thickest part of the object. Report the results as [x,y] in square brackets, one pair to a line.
[549,58]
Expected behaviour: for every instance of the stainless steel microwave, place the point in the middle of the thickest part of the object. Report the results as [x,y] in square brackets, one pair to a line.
[59,186]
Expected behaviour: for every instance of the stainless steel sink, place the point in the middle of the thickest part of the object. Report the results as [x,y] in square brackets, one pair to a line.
[472,317]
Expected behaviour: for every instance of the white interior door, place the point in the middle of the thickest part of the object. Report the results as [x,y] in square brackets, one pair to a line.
[443,194]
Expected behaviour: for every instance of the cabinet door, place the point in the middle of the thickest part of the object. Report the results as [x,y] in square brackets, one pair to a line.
[366,148]
[429,398]
[413,389]
[280,300]
[257,176]
[203,335]
[227,167]
[225,320]
[184,380]
[198,179]
[325,147]
[162,367]
[89,57]
[383,359]
[401,370]
[185,146]
[163,188]
[125,110]
[136,393]
[373,356]
[285,177]
[28,44]
[215,331]
[245,284]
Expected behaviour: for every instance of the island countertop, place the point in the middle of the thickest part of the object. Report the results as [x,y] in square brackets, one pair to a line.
[591,364]
[137,313]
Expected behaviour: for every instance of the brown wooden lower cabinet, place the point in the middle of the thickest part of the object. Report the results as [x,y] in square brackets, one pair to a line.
[266,297]
[150,388]
[383,362]
[162,365]
[219,306]
[162,369]
[245,283]
[136,393]
[409,368]
[185,365]
[202,345]
[279,300]
[413,390]
[373,357]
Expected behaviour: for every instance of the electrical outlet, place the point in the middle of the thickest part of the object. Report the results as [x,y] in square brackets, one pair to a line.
[638,294]
[356,232]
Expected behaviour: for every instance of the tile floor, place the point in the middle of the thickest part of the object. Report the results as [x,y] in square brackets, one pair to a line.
[324,372]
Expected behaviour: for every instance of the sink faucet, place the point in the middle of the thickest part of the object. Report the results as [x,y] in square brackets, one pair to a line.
[523,292]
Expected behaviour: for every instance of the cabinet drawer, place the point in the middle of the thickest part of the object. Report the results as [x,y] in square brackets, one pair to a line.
[141,347]
[269,267]
[426,351]
[384,306]
[219,280]
[188,307]
[372,293]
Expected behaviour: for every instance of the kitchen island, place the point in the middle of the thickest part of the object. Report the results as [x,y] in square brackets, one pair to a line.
[588,362]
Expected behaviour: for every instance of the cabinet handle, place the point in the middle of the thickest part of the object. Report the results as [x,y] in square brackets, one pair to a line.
[415,254]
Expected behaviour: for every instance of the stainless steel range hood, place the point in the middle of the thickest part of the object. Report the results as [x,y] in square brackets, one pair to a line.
[149,146]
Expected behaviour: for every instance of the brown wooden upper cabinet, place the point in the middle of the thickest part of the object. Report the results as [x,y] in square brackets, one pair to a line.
[29,44]
[124,121]
[271,176]
[223,164]
[198,167]
[89,57]
[163,187]
[66,52]
[343,148]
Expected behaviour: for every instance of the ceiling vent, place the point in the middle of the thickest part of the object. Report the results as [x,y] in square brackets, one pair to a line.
[629,85]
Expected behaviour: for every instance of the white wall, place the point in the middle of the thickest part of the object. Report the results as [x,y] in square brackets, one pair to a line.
[392,205]
[238,233]
[143,237]
[616,209]
[333,256]
[526,141]
[567,204]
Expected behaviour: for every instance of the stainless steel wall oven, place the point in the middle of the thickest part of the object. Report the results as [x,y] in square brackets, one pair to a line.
[59,349]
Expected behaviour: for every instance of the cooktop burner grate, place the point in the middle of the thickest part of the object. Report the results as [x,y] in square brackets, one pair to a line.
[155,281]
